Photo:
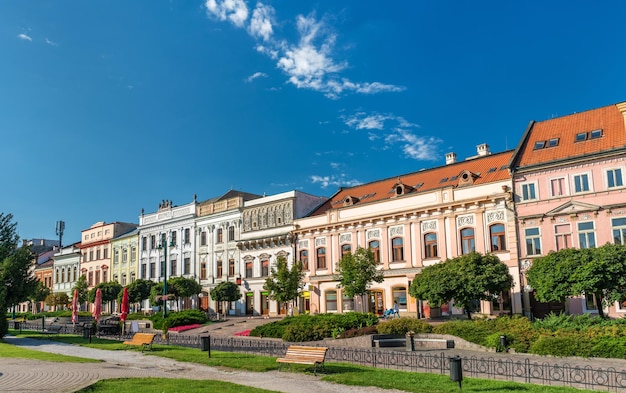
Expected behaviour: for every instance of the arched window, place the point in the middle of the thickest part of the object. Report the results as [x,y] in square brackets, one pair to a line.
[304,259]
[397,249]
[331,301]
[219,236]
[467,241]
[321,261]
[496,232]
[374,246]
[430,245]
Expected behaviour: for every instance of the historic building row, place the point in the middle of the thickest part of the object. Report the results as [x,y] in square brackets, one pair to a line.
[561,187]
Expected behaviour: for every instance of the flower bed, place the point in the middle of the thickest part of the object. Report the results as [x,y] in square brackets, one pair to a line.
[183,328]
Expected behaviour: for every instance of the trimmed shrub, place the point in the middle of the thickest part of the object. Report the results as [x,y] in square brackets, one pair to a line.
[404,325]
[183,318]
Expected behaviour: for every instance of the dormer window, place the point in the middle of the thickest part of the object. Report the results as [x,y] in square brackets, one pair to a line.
[350,200]
[400,189]
[466,178]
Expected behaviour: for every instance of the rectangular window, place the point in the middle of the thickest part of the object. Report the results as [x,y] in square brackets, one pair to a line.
[581,183]
[265,268]
[203,238]
[586,235]
[144,271]
[219,269]
[116,256]
[345,249]
[553,142]
[249,269]
[595,134]
[331,301]
[614,178]
[144,243]
[97,254]
[563,234]
[231,267]
[430,245]
[173,242]
[133,254]
[187,265]
[125,255]
[91,255]
[153,242]
[173,267]
[106,253]
[557,187]
[152,270]
[187,238]
[581,136]
[231,233]
[528,192]
[468,243]
[304,259]
[533,241]
[375,248]
[321,258]
[203,271]
[498,242]
[590,302]
[619,230]
[397,249]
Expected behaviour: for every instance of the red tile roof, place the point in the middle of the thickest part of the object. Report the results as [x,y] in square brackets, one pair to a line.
[609,119]
[489,169]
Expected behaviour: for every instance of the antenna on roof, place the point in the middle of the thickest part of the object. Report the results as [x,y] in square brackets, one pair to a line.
[59,230]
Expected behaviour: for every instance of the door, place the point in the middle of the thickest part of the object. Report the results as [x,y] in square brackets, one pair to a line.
[250,303]
[376,302]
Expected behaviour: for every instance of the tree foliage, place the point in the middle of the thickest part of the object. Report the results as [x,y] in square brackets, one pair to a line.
[83,289]
[284,283]
[183,287]
[574,272]
[466,279]
[139,290]
[225,291]
[110,291]
[357,271]
[40,294]
[59,300]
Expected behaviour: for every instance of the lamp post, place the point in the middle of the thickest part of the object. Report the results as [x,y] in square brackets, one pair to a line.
[163,246]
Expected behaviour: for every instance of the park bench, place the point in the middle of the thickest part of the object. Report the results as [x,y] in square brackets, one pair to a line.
[299,354]
[141,339]
[434,342]
[52,329]
[388,340]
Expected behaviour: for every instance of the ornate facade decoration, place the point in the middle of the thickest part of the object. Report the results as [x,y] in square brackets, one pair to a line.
[430,225]
[465,220]
[493,216]
[320,242]
[270,216]
[303,244]
[345,238]
[372,234]
[398,230]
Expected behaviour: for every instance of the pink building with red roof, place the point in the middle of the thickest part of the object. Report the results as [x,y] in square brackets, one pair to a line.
[568,178]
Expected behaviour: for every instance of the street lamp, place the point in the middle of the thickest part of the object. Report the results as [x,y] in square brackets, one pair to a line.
[163,246]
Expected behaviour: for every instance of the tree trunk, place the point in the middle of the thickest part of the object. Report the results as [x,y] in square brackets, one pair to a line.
[598,299]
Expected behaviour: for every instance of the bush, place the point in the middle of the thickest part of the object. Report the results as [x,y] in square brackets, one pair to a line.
[404,325]
[359,332]
[183,318]
[565,345]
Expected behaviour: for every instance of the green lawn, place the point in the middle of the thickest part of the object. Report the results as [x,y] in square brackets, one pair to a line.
[342,373]
[160,385]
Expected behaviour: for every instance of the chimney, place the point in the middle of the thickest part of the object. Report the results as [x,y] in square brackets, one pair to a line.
[450,158]
[483,150]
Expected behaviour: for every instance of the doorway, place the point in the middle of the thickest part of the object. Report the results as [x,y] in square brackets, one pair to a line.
[376,302]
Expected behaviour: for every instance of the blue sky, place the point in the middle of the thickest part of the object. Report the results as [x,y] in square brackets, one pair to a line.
[110,107]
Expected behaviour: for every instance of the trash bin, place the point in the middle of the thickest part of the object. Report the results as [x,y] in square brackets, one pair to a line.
[503,343]
[456,370]
[205,343]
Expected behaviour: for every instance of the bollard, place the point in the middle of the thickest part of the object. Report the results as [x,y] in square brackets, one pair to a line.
[456,370]
[503,343]
[410,342]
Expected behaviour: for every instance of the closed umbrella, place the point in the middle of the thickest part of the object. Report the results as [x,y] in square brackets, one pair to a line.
[125,307]
[75,307]
[97,306]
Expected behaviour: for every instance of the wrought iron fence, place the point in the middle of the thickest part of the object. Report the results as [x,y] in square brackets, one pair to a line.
[508,369]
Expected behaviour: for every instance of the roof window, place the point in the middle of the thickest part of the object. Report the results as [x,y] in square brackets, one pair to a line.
[553,142]
[445,179]
[595,134]
[581,136]
[539,145]
[492,170]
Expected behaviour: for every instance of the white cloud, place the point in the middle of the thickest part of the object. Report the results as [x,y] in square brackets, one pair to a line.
[334,180]
[309,63]
[24,37]
[400,132]
[261,22]
[236,11]
[255,76]
[50,42]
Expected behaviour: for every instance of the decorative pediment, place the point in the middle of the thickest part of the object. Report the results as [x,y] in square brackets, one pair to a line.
[573,208]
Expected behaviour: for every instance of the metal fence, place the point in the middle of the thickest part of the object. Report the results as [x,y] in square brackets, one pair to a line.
[508,369]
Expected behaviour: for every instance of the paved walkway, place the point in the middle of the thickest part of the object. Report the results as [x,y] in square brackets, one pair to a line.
[24,375]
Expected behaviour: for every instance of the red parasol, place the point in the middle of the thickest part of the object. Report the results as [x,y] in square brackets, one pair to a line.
[125,305]
[97,306]
[75,307]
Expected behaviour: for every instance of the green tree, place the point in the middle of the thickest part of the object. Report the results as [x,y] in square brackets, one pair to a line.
[225,292]
[357,271]
[16,281]
[466,279]
[183,287]
[39,295]
[83,289]
[284,283]
[575,272]
[139,290]
[110,290]
[58,300]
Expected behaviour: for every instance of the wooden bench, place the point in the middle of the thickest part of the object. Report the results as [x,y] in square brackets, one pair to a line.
[142,339]
[52,329]
[299,354]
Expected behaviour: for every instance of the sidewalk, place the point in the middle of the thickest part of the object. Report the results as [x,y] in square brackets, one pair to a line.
[25,375]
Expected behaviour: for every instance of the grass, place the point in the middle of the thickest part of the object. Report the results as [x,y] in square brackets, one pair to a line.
[341,373]
[160,385]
